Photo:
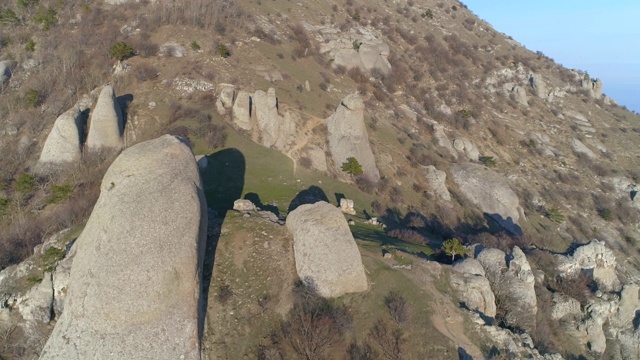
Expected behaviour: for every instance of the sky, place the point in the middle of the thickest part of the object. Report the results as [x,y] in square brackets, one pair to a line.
[600,37]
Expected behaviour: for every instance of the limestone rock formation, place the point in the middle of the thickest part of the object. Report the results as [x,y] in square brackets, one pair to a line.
[135,283]
[36,305]
[63,142]
[512,282]
[348,136]
[596,258]
[490,192]
[317,157]
[6,70]
[172,49]
[538,85]
[346,206]
[326,254]
[441,139]
[581,149]
[266,105]
[469,148]
[226,93]
[243,205]
[473,288]
[105,127]
[243,109]
[437,182]
[564,305]
[520,95]
[366,52]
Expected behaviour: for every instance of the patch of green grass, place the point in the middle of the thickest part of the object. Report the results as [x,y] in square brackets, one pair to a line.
[374,238]
[32,280]
[25,183]
[51,258]
[60,193]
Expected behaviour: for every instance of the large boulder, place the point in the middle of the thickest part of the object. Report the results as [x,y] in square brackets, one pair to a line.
[538,85]
[326,254]
[135,283]
[266,105]
[243,109]
[348,136]
[63,143]
[490,192]
[437,182]
[473,288]
[467,147]
[581,149]
[512,282]
[105,127]
[226,94]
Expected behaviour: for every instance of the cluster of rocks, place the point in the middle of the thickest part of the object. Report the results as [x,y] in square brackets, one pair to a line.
[259,114]
[608,319]
[66,140]
[248,208]
[346,206]
[357,48]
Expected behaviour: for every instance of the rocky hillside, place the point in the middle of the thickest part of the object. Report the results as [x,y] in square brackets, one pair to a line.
[339,179]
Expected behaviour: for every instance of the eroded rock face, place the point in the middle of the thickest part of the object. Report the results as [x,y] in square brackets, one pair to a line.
[63,143]
[325,252]
[348,136]
[366,52]
[593,256]
[226,94]
[135,283]
[512,282]
[437,181]
[243,108]
[538,85]
[317,157]
[564,305]
[267,115]
[473,288]
[105,127]
[581,149]
[469,148]
[490,192]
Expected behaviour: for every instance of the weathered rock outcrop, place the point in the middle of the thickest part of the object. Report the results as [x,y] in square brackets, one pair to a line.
[595,257]
[437,182]
[63,143]
[243,108]
[226,94]
[564,305]
[266,105]
[467,147]
[581,149]
[512,282]
[346,206]
[172,49]
[490,192]
[326,254]
[520,95]
[362,50]
[135,283]
[105,127]
[473,288]
[348,136]
[538,85]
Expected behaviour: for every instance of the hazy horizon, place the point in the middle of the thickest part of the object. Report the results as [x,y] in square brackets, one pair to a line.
[594,36]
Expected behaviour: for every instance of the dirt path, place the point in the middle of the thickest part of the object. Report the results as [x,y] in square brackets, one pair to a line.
[303,136]
[447,318]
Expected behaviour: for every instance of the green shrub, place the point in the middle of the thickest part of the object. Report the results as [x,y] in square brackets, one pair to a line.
[606,214]
[121,51]
[195,46]
[427,14]
[488,161]
[8,17]
[352,167]
[51,257]
[223,51]
[25,184]
[23,4]
[32,98]
[46,17]
[454,8]
[356,16]
[60,193]
[4,205]
[30,46]
[555,215]
[465,113]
